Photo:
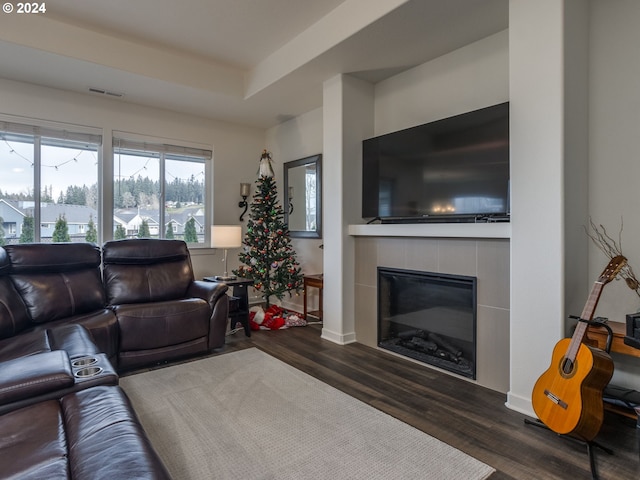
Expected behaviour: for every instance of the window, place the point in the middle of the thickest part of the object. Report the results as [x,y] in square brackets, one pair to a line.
[159,191]
[50,191]
[48,182]
[310,179]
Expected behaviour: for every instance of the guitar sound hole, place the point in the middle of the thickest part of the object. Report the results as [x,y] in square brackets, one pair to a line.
[567,366]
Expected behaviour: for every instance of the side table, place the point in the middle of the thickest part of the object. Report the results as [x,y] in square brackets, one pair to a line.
[597,337]
[241,292]
[315,281]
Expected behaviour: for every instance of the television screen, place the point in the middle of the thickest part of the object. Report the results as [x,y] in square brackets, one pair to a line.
[458,166]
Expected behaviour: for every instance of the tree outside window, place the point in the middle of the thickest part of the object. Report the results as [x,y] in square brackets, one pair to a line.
[120,233]
[2,241]
[143,231]
[190,233]
[169,231]
[61,231]
[27,235]
[92,232]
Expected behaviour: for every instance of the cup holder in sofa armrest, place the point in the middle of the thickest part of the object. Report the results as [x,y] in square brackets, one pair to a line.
[93,369]
[83,362]
[87,372]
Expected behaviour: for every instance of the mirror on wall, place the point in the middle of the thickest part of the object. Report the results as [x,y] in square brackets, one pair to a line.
[302,197]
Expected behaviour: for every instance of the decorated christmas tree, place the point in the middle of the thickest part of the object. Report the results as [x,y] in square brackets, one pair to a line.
[267,257]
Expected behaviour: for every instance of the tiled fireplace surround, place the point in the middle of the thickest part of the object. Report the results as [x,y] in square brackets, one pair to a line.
[486,259]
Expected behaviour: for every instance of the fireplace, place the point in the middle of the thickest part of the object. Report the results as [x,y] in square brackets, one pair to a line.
[429,317]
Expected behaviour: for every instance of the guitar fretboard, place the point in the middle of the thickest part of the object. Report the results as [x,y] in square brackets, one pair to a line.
[587,314]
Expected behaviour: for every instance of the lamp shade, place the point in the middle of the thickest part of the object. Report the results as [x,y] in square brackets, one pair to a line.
[226,236]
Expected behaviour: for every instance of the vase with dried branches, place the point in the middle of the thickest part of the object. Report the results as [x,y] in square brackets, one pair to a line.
[612,248]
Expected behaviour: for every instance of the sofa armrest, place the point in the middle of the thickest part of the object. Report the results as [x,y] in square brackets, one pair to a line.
[33,375]
[209,291]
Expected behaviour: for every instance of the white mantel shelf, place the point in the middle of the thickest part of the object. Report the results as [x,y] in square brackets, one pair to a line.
[445,230]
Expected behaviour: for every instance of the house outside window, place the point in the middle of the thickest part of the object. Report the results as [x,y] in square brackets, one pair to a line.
[158,183]
[48,172]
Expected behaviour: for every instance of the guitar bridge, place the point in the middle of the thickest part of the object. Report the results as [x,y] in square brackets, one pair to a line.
[555,399]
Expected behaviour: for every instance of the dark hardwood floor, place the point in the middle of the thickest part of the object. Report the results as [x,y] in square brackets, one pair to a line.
[471,418]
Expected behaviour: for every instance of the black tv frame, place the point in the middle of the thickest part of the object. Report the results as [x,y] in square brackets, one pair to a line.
[480,135]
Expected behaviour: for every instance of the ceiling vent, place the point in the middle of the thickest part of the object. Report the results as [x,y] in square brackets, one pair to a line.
[101,91]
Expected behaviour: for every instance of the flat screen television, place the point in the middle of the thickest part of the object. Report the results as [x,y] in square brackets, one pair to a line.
[454,169]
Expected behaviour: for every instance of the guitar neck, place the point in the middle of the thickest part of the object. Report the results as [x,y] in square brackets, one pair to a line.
[587,314]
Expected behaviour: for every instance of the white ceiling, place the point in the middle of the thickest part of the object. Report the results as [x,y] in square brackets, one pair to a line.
[236,32]
[254,62]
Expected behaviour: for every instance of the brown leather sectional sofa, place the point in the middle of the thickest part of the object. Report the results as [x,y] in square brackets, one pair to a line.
[137,298]
[71,317]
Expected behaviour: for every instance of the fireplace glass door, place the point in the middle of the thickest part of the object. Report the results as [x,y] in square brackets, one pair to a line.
[429,317]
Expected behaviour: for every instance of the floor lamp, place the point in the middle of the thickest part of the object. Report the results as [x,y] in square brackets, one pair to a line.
[226,236]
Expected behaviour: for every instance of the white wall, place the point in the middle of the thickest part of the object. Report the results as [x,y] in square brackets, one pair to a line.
[614,159]
[614,131]
[466,79]
[236,149]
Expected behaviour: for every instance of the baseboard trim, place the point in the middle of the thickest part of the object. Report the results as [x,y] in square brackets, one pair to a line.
[520,404]
[339,338]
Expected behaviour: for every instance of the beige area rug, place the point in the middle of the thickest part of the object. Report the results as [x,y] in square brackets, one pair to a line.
[246,415]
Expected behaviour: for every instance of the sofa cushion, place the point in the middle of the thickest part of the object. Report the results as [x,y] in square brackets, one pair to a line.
[102,326]
[160,324]
[57,280]
[146,283]
[33,443]
[52,257]
[74,339]
[91,434]
[146,270]
[14,317]
[34,375]
[51,296]
[106,440]
[5,264]
[144,251]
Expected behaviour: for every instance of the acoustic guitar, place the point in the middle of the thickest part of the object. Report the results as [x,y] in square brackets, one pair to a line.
[567,397]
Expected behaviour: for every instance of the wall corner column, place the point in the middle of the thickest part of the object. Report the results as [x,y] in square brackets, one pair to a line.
[348,118]
[548,156]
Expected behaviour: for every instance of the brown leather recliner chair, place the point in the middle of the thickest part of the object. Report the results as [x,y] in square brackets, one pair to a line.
[162,312]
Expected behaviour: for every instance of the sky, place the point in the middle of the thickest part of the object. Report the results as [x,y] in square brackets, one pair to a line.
[63,167]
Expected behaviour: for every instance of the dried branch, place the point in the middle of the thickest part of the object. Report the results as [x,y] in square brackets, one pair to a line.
[601,238]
